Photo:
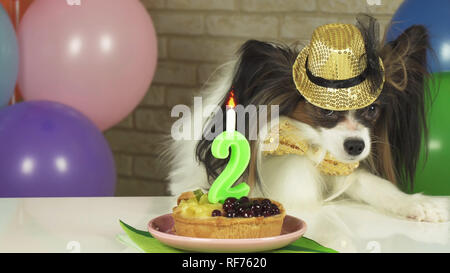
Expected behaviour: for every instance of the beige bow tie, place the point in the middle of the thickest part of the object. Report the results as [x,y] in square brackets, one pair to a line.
[289,142]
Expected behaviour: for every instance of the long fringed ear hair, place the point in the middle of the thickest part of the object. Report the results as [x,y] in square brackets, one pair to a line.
[403,123]
[262,76]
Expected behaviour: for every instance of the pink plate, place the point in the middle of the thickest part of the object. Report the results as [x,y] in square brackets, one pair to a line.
[161,228]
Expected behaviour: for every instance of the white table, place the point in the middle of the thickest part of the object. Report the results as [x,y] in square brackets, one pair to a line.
[91,225]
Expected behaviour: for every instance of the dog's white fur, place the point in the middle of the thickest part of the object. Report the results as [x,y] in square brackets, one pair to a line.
[295,181]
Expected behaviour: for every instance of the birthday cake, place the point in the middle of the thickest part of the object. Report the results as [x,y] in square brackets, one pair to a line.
[195,216]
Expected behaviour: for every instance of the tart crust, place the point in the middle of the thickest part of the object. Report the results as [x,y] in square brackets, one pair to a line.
[229,228]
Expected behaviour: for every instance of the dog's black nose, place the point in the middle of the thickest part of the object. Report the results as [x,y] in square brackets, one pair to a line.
[354,146]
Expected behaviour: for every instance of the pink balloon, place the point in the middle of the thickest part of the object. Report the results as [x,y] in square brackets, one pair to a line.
[98,57]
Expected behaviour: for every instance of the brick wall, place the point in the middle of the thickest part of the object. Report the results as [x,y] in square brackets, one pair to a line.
[194,37]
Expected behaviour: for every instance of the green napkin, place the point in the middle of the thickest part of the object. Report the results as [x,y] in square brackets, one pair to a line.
[145,242]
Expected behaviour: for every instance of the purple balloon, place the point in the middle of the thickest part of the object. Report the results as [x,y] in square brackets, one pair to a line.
[48,149]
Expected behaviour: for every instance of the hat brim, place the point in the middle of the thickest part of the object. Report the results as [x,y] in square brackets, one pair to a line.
[342,99]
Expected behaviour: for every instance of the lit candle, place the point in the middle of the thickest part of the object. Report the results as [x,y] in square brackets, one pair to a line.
[222,188]
[231,114]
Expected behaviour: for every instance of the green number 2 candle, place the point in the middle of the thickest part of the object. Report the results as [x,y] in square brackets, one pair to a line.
[222,188]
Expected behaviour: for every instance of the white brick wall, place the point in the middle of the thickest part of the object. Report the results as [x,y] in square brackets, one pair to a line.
[194,37]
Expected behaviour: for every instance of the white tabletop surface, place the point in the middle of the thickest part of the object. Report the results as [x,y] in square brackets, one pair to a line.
[92,224]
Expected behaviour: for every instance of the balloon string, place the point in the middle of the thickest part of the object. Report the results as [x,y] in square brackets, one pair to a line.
[17,12]
[16,24]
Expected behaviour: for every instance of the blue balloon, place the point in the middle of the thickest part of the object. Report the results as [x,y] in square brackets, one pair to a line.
[9,58]
[435,15]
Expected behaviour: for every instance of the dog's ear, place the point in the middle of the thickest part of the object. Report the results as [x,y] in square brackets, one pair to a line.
[404,100]
[263,66]
[405,59]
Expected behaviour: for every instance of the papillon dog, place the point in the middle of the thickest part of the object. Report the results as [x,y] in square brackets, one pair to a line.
[385,137]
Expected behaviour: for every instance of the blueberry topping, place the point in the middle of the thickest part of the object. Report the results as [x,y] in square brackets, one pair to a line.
[230,214]
[246,208]
[244,199]
[216,213]
[230,200]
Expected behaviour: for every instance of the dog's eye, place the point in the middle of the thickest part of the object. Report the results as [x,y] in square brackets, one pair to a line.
[372,111]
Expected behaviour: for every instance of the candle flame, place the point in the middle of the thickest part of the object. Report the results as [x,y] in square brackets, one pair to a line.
[231,100]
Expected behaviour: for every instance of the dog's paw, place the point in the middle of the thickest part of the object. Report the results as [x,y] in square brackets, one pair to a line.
[425,208]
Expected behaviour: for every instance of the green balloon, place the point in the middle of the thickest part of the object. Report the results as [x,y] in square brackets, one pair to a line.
[433,175]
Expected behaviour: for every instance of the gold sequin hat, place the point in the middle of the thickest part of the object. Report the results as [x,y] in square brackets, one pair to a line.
[332,72]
